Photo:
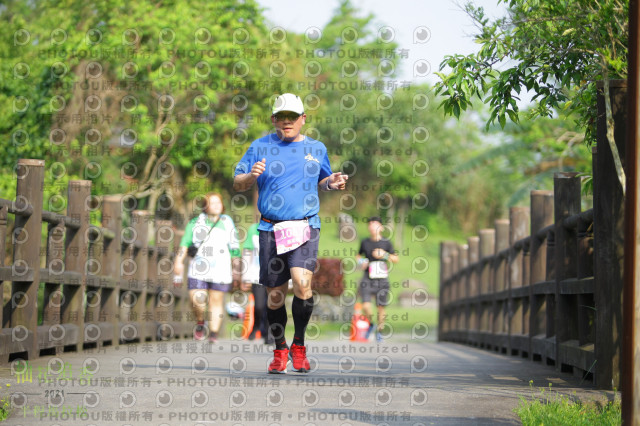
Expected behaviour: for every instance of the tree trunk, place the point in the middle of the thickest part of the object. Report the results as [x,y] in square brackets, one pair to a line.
[391,215]
[402,216]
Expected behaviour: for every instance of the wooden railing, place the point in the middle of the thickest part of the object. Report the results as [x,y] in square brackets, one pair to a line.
[521,294]
[546,284]
[527,287]
[99,284]
[76,285]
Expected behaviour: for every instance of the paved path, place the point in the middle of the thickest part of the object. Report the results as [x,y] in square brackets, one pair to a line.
[188,383]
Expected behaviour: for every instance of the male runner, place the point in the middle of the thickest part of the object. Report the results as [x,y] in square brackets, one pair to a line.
[288,168]
[374,254]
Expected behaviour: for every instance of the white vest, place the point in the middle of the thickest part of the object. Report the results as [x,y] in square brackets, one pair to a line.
[212,262]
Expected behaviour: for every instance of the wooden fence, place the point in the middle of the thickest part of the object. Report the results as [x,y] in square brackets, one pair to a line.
[102,284]
[546,284]
[520,294]
[98,285]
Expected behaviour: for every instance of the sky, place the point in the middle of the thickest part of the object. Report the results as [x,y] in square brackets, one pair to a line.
[428,29]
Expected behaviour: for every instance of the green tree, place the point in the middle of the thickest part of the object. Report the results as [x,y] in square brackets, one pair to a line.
[343,72]
[140,98]
[161,103]
[557,50]
[526,155]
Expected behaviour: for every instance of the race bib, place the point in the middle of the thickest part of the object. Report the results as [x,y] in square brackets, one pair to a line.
[378,269]
[291,234]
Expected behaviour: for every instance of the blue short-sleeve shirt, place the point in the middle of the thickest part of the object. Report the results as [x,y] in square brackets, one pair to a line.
[288,188]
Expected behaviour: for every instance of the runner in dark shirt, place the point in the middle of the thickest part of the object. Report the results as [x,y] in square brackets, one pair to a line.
[374,256]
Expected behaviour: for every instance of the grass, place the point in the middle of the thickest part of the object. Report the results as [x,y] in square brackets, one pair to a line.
[5,407]
[553,408]
[402,321]
[409,266]
[418,268]
[418,257]
[409,274]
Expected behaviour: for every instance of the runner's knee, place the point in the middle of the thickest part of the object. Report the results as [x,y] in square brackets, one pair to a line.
[276,297]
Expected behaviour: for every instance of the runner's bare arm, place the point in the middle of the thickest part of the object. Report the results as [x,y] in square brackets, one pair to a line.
[178,263]
[363,262]
[245,181]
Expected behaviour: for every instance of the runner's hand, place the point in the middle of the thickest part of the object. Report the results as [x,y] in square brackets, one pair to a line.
[338,181]
[177,281]
[378,253]
[258,168]
[363,263]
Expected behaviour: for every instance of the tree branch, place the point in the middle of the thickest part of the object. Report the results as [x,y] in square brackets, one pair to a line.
[610,133]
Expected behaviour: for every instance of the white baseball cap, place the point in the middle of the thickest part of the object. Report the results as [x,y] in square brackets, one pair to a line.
[288,102]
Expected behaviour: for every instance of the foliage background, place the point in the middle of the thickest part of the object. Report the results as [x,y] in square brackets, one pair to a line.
[159,100]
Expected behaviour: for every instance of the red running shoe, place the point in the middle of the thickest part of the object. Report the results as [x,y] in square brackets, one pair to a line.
[280,360]
[299,359]
[199,332]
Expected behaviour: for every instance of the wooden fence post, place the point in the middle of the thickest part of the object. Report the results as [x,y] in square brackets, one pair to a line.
[541,217]
[608,239]
[500,291]
[487,248]
[128,286]
[94,332]
[502,243]
[474,284]
[5,314]
[52,299]
[630,362]
[139,219]
[452,290]
[26,258]
[566,203]
[164,273]
[518,299]
[180,317]
[519,228]
[463,290]
[76,251]
[112,220]
[151,282]
[445,274]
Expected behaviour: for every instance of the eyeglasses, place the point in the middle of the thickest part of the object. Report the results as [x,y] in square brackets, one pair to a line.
[289,116]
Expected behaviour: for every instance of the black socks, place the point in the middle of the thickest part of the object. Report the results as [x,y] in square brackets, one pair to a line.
[277,323]
[301,311]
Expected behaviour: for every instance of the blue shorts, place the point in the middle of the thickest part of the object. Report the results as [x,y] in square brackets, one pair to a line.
[195,284]
[275,269]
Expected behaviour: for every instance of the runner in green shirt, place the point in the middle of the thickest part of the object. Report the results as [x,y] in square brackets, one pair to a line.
[210,273]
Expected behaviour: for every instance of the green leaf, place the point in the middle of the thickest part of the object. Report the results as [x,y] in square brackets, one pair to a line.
[503,120]
[456,110]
